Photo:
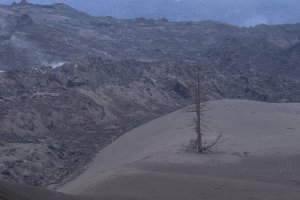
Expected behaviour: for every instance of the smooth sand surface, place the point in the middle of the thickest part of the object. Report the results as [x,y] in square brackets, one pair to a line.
[9,191]
[258,157]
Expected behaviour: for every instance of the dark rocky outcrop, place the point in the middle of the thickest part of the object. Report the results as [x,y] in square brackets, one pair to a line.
[106,76]
[59,33]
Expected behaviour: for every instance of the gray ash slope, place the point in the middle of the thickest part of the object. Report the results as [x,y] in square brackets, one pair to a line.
[117,75]
[37,35]
[54,120]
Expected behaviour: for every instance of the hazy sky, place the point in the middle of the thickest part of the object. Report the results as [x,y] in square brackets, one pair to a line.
[238,12]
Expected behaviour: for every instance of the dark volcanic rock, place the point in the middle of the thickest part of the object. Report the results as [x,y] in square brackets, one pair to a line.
[35,35]
[63,116]
[106,76]
[53,121]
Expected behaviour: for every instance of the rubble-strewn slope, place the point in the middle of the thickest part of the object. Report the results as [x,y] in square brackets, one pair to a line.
[117,74]
[39,35]
[67,114]
[53,121]
[33,35]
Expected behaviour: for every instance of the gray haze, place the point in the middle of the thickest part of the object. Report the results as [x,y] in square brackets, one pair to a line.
[237,12]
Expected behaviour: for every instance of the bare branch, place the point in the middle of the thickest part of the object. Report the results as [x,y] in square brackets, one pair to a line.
[206,148]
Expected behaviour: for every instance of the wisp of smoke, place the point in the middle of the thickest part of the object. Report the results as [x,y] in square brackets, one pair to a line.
[255,20]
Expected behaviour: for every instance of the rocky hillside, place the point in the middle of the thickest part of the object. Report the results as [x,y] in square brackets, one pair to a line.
[34,35]
[53,120]
[71,83]
[237,12]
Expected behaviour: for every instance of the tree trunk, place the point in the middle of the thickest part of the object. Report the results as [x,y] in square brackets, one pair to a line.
[198,101]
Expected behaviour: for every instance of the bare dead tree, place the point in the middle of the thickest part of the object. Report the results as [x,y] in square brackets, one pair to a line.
[200,108]
[199,105]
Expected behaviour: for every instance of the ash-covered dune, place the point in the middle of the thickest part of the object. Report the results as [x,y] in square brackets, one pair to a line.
[9,191]
[257,157]
[54,120]
[107,76]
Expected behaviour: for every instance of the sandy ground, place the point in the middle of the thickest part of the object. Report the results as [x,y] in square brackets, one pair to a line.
[9,191]
[258,157]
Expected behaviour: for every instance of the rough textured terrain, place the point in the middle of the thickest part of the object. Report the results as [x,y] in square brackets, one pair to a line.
[257,158]
[53,121]
[71,83]
[34,35]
